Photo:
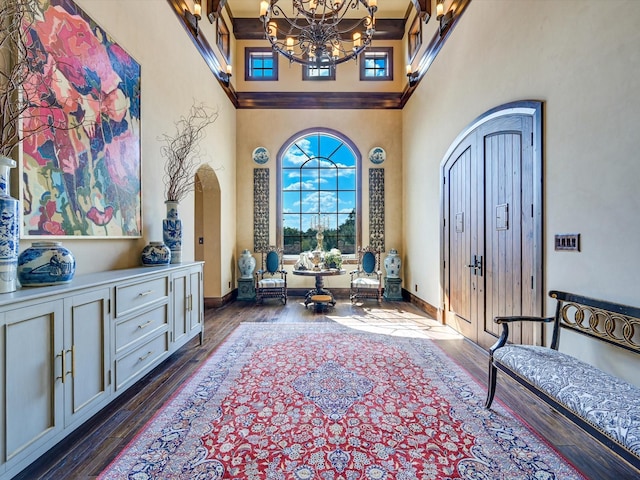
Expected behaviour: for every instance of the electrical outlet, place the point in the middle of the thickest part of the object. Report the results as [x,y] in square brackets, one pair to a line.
[567,242]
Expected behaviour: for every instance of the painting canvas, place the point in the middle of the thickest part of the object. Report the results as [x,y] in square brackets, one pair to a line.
[81,178]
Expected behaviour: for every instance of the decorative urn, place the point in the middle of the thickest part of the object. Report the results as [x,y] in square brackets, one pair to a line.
[246,264]
[392,264]
[156,253]
[45,263]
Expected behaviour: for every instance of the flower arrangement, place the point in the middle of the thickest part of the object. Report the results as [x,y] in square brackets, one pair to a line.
[182,151]
[333,259]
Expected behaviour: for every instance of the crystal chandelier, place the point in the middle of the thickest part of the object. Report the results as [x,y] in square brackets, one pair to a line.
[317,33]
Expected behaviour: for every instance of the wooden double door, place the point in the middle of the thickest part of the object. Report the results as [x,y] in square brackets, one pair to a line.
[492,224]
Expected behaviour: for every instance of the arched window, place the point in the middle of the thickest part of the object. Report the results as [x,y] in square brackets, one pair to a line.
[318,183]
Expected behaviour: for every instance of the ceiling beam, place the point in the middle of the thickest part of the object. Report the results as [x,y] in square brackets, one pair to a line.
[320,100]
[252,29]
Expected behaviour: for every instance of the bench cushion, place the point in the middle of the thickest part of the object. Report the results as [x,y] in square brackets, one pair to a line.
[364,282]
[610,404]
[321,298]
[271,283]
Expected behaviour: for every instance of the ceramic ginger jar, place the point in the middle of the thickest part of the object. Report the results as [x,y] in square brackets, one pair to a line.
[246,264]
[392,264]
[45,263]
[156,253]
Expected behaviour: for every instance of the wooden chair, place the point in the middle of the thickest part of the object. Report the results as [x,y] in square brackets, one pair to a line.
[271,279]
[366,281]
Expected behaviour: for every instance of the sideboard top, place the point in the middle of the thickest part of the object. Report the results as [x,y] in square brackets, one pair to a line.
[89,280]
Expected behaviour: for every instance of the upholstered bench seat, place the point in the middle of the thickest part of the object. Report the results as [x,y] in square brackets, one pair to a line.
[321,298]
[608,403]
[271,283]
[364,282]
[321,301]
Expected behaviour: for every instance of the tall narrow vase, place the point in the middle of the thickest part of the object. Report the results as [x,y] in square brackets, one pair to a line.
[9,229]
[172,231]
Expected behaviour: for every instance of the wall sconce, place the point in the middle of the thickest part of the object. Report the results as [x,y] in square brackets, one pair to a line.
[194,18]
[412,76]
[444,18]
[226,76]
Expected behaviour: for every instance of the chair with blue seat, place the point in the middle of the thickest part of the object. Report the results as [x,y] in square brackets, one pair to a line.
[366,281]
[271,279]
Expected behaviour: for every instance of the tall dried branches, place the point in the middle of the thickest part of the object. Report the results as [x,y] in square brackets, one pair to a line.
[14,69]
[182,151]
[26,80]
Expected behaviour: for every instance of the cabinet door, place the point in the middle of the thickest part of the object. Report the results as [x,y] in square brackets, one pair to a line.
[35,369]
[196,300]
[86,341]
[180,296]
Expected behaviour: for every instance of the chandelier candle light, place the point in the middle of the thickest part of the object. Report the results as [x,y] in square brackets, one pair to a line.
[316,32]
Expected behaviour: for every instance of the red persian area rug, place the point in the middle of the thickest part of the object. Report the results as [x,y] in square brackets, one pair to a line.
[326,402]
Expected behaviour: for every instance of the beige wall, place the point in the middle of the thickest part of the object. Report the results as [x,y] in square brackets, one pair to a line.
[586,70]
[173,75]
[365,128]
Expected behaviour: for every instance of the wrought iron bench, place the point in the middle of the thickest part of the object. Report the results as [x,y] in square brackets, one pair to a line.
[603,405]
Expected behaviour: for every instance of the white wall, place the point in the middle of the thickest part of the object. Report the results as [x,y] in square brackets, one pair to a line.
[582,59]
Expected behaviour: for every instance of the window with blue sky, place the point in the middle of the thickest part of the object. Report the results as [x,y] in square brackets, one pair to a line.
[319,186]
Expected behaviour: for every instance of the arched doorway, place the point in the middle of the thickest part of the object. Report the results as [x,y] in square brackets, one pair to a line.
[492,223]
[207,236]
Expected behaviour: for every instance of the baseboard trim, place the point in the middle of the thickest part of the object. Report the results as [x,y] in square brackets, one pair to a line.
[426,307]
[217,302]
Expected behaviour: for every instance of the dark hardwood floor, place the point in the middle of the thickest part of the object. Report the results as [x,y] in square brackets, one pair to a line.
[90,449]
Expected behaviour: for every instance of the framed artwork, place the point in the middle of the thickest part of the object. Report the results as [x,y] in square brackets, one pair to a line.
[82,178]
[414,37]
[223,39]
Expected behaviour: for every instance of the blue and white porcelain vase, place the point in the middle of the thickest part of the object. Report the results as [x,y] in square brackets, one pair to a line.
[172,231]
[392,264]
[46,263]
[9,229]
[156,253]
[246,264]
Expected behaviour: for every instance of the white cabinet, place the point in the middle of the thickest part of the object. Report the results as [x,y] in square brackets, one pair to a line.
[86,354]
[57,364]
[66,351]
[188,305]
[33,352]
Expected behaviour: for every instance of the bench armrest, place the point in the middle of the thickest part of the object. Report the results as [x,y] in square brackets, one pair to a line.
[505,321]
[523,319]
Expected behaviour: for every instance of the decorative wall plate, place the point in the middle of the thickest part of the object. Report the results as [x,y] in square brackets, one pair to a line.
[260,155]
[377,155]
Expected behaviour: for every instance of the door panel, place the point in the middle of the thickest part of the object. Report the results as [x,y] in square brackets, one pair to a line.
[459,234]
[503,246]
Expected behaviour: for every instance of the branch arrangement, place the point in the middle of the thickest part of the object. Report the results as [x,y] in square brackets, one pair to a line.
[182,151]
[26,82]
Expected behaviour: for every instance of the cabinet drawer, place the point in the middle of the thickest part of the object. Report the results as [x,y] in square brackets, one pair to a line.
[132,364]
[143,325]
[137,295]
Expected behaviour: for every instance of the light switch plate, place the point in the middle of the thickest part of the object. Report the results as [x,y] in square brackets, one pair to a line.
[567,242]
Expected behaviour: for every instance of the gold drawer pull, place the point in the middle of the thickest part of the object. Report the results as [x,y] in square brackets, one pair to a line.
[144,294]
[64,366]
[144,357]
[144,325]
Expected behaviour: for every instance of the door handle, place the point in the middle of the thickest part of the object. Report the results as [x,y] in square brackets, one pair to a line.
[476,265]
